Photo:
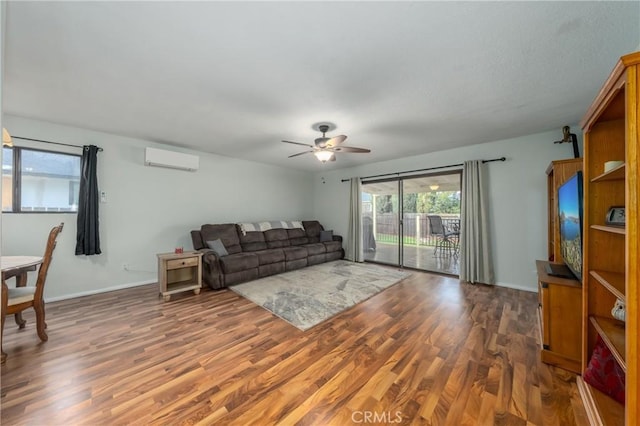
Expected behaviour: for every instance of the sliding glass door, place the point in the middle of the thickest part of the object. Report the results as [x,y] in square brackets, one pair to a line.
[413,222]
[381,225]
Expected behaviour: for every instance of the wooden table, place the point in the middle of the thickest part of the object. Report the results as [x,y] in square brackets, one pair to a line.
[179,272]
[15,266]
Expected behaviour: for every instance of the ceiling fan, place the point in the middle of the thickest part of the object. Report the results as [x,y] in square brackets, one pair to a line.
[325,148]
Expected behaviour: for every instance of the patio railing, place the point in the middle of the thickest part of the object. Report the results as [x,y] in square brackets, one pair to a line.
[416,228]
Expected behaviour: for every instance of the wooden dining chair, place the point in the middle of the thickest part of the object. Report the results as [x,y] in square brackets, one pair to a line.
[20,298]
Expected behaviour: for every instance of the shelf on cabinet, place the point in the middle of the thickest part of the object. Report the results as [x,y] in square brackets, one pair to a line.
[612,229]
[612,333]
[600,408]
[615,174]
[612,281]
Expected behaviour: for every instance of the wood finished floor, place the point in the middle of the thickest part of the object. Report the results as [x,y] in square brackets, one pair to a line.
[428,350]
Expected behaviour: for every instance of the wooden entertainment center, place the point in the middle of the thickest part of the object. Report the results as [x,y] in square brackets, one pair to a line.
[611,254]
[560,315]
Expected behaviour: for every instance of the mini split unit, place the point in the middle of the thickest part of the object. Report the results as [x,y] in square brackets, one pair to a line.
[171,159]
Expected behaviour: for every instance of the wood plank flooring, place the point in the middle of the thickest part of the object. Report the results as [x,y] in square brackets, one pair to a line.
[429,350]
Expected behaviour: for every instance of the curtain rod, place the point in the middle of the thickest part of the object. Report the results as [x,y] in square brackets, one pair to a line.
[55,143]
[424,170]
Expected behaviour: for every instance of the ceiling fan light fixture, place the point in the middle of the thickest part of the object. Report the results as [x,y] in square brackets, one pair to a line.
[323,155]
[434,187]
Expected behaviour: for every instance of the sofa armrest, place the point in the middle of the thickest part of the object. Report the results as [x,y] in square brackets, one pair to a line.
[211,269]
[209,256]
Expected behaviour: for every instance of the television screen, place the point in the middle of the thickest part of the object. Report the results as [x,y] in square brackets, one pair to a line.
[570,212]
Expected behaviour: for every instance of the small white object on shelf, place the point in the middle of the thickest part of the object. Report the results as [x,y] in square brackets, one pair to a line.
[610,165]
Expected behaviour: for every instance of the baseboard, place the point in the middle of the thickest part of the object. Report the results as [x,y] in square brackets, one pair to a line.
[102,290]
[517,287]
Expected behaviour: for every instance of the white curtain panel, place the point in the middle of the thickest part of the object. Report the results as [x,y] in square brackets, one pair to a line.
[476,259]
[354,247]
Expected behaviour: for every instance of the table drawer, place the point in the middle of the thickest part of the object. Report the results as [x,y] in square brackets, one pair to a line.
[182,263]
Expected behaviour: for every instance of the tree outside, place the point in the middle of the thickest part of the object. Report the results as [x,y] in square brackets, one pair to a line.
[441,202]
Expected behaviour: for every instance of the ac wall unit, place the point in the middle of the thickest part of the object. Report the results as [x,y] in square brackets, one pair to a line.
[171,159]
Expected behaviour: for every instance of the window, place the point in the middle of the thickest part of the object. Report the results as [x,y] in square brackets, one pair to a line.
[39,181]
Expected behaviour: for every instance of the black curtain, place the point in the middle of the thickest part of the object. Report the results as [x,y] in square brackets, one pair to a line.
[88,236]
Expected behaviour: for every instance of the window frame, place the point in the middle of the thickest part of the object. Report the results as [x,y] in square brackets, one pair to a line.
[16,180]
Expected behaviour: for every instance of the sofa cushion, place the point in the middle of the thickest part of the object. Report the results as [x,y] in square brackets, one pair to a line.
[224,232]
[252,241]
[294,253]
[266,257]
[332,246]
[218,247]
[296,233]
[238,262]
[317,248]
[297,237]
[326,236]
[299,241]
[312,228]
[276,238]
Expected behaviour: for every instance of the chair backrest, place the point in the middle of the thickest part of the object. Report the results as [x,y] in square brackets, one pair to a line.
[46,259]
[435,225]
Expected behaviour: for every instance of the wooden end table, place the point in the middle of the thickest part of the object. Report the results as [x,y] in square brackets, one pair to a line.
[178,272]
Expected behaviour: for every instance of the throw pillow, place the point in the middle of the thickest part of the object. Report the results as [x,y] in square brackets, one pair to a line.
[217,247]
[326,236]
[604,373]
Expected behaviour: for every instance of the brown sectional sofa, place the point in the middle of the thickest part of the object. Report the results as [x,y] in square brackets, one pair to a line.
[257,254]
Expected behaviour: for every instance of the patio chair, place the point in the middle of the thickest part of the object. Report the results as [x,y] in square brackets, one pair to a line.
[447,240]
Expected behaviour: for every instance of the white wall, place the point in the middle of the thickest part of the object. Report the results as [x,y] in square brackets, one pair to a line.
[517,194]
[149,210]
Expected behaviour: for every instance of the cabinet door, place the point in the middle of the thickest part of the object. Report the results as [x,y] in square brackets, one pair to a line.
[565,319]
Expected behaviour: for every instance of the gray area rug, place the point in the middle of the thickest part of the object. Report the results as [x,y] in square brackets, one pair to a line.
[308,296]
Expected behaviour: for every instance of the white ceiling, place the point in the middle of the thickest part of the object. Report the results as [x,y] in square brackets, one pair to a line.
[234,78]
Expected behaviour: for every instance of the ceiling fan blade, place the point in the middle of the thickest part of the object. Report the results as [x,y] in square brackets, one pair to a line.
[350,149]
[336,140]
[300,153]
[299,143]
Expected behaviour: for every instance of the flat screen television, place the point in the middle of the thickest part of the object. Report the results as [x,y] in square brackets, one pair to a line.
[570,220]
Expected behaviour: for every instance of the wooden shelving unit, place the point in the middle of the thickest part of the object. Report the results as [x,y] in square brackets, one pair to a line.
[557,173]
[611,253]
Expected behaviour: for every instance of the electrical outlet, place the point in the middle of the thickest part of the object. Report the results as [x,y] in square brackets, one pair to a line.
[125,266]
[103,196]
